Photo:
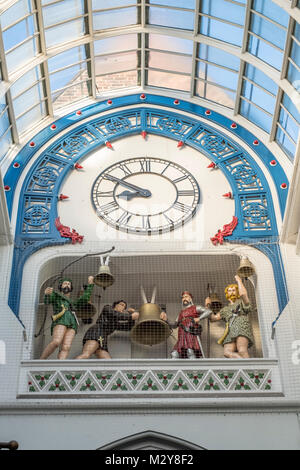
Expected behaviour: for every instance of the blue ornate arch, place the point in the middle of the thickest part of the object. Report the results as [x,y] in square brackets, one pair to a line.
[39,195]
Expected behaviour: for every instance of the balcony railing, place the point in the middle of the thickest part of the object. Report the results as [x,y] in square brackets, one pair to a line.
[149,378]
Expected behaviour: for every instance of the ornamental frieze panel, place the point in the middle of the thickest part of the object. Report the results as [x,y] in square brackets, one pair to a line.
[216,145]
[115,380]
[256,214]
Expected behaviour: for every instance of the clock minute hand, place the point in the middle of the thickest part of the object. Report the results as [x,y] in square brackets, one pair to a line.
[142,191]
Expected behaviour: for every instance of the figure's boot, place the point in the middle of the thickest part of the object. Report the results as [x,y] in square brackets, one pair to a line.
[191,354]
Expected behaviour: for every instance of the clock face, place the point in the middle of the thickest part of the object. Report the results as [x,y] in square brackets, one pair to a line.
[145,195]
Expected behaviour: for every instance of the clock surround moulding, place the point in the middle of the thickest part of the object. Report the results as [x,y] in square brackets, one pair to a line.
[38,197]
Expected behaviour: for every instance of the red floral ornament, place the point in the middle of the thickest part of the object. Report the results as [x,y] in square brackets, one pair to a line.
[67,233]
[225,232]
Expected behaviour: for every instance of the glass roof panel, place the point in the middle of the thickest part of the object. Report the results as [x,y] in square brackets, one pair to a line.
[113,63]
[268,31]
[168,61]
[127,79]
[116,44]
[102,4]
[233,12]
[175,3]
[272,11]
[266,52]
[107,19]
[170,43]
[260,78]
[218,56]
[214,28]
[15,12]
[215,93]
[27,80]
[62,11]
[169,80]
[65,32]
[167,50]
[172,18]
[256,115]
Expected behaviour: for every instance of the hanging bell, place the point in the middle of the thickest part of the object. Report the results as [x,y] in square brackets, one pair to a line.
[216,303]
[104,278]
[85,312]
[246,268]
[150,329]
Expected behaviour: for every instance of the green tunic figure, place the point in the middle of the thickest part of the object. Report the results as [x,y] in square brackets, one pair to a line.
[238,336]
[237,321]
[64,321]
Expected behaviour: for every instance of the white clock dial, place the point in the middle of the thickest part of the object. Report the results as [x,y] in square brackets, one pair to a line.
[145,195]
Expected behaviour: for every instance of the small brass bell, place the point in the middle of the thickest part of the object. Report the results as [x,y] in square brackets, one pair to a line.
[104,278]
[86,312]
[246,268]
[216,303]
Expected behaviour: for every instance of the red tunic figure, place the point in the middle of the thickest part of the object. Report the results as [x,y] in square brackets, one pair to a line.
[189,343]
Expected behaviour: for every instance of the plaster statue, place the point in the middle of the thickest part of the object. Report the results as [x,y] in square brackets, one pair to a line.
[188,344]
[238,336]
[64,321]
[111,318]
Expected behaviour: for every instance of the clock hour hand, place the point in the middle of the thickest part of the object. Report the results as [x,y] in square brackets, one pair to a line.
[143,192]
[128,195]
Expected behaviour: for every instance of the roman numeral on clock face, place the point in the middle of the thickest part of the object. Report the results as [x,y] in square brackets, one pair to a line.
[105,194]
[124,219]
[182,207]
[182,178]
[125,169]
[108,208]
[146,222]
[186,192]
[145,166]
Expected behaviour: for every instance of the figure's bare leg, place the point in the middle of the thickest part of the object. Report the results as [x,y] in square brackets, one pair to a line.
[242,346]
[58,336]
[89,348]
[66,345]
[230,351]
[102,354]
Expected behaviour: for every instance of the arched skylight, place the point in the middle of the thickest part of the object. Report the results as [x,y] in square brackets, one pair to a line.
[241,54]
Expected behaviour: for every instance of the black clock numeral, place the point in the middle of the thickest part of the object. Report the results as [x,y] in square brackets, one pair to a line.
[182,207]
[170,221]
[146,222]
[104,194]
[186,192]
[124,219]
[125,169]
[166,167]
[145,166]
[108,208]
[182,178]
